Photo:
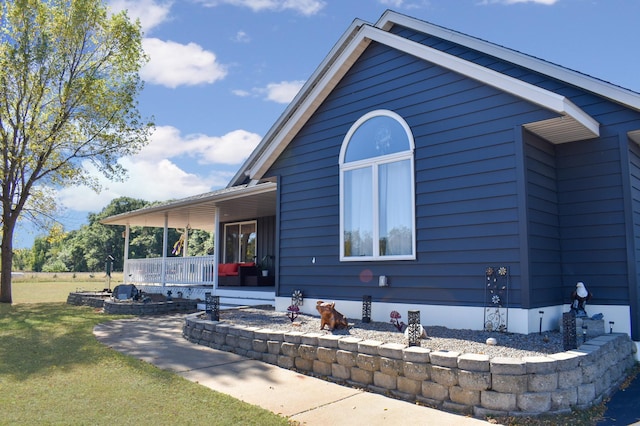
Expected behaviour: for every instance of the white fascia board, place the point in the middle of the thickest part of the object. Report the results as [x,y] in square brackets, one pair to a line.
[602,88]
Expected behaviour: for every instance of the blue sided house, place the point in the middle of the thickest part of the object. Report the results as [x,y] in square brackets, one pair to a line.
[431,171]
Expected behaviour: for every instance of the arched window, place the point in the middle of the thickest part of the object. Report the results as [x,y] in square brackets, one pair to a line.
[377,189]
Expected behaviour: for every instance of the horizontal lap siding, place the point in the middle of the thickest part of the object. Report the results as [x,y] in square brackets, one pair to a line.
[592,219]
[545,266]
[466,200]
[634,168]
[591,209]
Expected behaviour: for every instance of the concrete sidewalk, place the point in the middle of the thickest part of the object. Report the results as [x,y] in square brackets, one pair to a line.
[310,401]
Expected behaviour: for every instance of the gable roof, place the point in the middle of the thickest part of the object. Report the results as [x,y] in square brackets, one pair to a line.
[572,123]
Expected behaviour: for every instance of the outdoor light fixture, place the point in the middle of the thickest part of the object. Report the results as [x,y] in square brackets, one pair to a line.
[366,308]
[541,314]
[382,281]
[212,306]
[413,329]
[611,327]
[584,333]
[569,337]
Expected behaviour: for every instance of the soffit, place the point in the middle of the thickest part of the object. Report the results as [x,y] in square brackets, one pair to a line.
[233,204]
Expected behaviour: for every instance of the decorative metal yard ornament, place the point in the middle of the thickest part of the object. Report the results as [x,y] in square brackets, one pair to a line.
[496,290]
[292,312]
[414,329]
[366,308]
[395,320]
[296,298]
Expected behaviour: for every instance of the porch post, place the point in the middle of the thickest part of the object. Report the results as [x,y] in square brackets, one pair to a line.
[165,237]
[125,261]
[185,248]
[216,246]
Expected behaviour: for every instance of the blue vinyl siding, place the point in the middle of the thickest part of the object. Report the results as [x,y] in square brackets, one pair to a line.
[545,260]
[634,285]
[469,172]
[592,219]
[466,200]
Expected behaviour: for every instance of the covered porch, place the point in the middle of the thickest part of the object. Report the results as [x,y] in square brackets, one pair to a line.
[193,276]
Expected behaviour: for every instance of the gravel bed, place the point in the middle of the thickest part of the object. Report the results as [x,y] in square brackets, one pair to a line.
[438,338]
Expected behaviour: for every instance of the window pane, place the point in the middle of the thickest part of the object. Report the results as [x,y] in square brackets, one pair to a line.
[380,135]
[394,192]
[232,244]
[358,212]
[247,242]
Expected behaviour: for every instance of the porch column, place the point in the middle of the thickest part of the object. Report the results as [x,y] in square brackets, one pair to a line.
[165,237]
[125,261]
[216,246]
[185,247]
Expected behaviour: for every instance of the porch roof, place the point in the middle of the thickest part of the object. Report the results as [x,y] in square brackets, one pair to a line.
[198,212]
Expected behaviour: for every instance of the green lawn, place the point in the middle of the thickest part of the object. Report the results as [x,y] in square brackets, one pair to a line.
[53,371]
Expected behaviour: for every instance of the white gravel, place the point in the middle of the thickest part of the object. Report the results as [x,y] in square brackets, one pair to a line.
[438,338]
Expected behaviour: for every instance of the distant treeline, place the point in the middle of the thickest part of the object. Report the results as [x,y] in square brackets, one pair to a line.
[86,249]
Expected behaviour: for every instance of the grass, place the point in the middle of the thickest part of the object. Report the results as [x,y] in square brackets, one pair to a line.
[44,287]
[53,371]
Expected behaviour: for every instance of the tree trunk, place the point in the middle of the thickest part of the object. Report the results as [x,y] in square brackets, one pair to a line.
[6,261]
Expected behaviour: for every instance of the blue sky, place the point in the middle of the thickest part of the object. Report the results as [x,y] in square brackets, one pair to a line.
[222,71]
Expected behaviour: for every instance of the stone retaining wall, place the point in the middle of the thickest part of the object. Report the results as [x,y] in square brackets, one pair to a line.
[464,383]
[114,307]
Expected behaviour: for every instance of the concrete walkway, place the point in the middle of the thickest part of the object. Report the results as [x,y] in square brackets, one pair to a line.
[310,401]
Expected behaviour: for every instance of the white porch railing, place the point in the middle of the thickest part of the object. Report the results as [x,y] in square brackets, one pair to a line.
[179,270]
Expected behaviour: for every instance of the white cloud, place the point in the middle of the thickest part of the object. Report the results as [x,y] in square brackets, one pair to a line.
[173,64]
[282,92]
[150,181]
[241,93]
[304,7]
[230,149]
[241,37]
[151,13]
[154,176]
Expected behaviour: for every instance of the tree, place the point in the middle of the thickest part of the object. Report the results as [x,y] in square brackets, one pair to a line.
[69,78]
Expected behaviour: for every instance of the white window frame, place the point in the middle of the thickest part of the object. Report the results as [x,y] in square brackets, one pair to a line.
[375,163]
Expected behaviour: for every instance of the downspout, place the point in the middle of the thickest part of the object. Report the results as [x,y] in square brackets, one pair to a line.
[125,262]
[165,237]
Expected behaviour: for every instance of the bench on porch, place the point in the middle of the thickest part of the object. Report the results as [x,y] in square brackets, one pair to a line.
[235,274]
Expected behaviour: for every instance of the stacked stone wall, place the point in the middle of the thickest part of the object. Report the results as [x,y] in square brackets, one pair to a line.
[116,307]
[470,384]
